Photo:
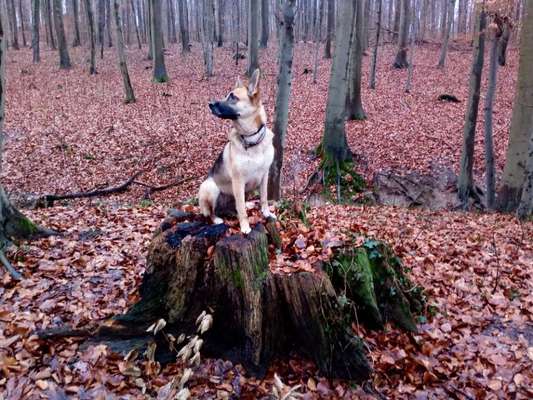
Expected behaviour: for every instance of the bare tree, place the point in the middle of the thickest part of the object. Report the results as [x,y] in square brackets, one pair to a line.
[372,83]
[334,144]
[136,23]
[504,40]
[253,31]
[64,58]
[48,21]
[444,47]
[92,35]
[159,68]
[108,22]
[12,14]
[354,104]
[101,25]
[184,25]
[403,38]
[35,31]
[330,28]
[207,34]
[518,156]
[171,22]
[281,117]
[22,25]
[318,36]
[128,89]
[77,40]
[265,23]
[465,184]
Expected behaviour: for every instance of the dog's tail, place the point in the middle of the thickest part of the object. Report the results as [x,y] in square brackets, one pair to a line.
[207,197]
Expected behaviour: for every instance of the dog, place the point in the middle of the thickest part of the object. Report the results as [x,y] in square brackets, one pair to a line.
[245,161]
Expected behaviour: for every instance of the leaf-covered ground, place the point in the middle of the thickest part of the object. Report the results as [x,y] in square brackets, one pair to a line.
[68,131]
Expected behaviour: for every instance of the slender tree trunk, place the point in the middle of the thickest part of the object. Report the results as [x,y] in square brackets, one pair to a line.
[372,84]
[334,144]
[253,33]
[401,55]
[517,157]
[397,19]
[489,102]
[423,21]
[525,208]
[101,26]
[35,31]
[108,22]
[128,89]
[136,23]
[92,35]
[150,55]
[12,13]
[444,47]
[77,37]
[318,36]
[172,13]
[330,28]
[465,185]
[207,25]
[159,68]
[184,25]
[354,104]
[503,42]
[22,25]
[64,58]
[49,23]
[281,118]
[265,23]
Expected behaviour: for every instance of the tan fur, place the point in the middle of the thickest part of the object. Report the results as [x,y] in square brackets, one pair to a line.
[241,169]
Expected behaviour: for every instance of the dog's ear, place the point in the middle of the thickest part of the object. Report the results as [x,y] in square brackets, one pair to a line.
[239,83]
[253,86]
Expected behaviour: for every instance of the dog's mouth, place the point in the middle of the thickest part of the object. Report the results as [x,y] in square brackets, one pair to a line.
[222,110]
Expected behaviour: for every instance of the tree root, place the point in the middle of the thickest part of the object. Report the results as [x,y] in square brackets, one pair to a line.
[9,268]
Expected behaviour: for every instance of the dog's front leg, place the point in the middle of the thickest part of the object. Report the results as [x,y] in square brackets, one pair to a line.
[238,192]
[264,198]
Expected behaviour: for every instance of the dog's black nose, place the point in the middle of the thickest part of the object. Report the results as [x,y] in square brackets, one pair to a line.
[212,105]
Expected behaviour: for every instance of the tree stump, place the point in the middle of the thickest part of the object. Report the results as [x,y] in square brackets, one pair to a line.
[259,315]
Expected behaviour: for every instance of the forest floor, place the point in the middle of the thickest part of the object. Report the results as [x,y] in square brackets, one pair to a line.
[67,131]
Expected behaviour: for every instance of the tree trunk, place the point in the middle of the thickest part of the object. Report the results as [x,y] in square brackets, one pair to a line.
[206,33]
[253,40]
[77,39]
[489,106]
[334,144]
[444,47]
[22,25]
[504,41]
[521,122]
[330,28]
[150,55]
[373,68]
[423,21]
[401,55]
[318,36]
[35,31]
[354,103]
[12,13]
[265,23]
[49,23]
[172,37]
[184,25]
[101,25]
[128,89]
[92,35]
[257,315]
[159,68]
[525,208]
[465,184]
[108,22]
[136,23]
[281,118]
[397,19]
[64,58]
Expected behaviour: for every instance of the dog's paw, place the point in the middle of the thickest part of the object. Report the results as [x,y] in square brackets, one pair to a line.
[245,228]
[218,221]
[267,214]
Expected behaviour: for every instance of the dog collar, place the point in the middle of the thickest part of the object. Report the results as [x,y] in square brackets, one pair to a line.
[254,139]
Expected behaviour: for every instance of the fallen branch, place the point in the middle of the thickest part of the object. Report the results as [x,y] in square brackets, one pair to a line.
[9,268]
[48,199]
[64,331]
[153,189]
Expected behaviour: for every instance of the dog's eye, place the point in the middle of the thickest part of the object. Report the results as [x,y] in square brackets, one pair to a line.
[233,97]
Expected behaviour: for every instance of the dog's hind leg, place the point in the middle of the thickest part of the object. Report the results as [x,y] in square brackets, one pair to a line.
[207,199]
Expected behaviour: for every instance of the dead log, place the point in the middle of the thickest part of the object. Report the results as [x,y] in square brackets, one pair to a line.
[259,315]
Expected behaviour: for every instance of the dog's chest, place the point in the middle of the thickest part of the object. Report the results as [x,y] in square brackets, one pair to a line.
[254,163]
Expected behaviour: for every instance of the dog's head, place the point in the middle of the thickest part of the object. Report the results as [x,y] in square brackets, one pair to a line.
[242,102]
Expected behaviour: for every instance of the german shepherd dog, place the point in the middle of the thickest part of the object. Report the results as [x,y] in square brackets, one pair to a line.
[245,161]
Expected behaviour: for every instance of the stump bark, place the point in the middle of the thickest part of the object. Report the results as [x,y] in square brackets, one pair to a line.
[259,315]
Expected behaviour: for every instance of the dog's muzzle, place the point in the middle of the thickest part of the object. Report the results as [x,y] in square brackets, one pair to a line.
[222,110]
